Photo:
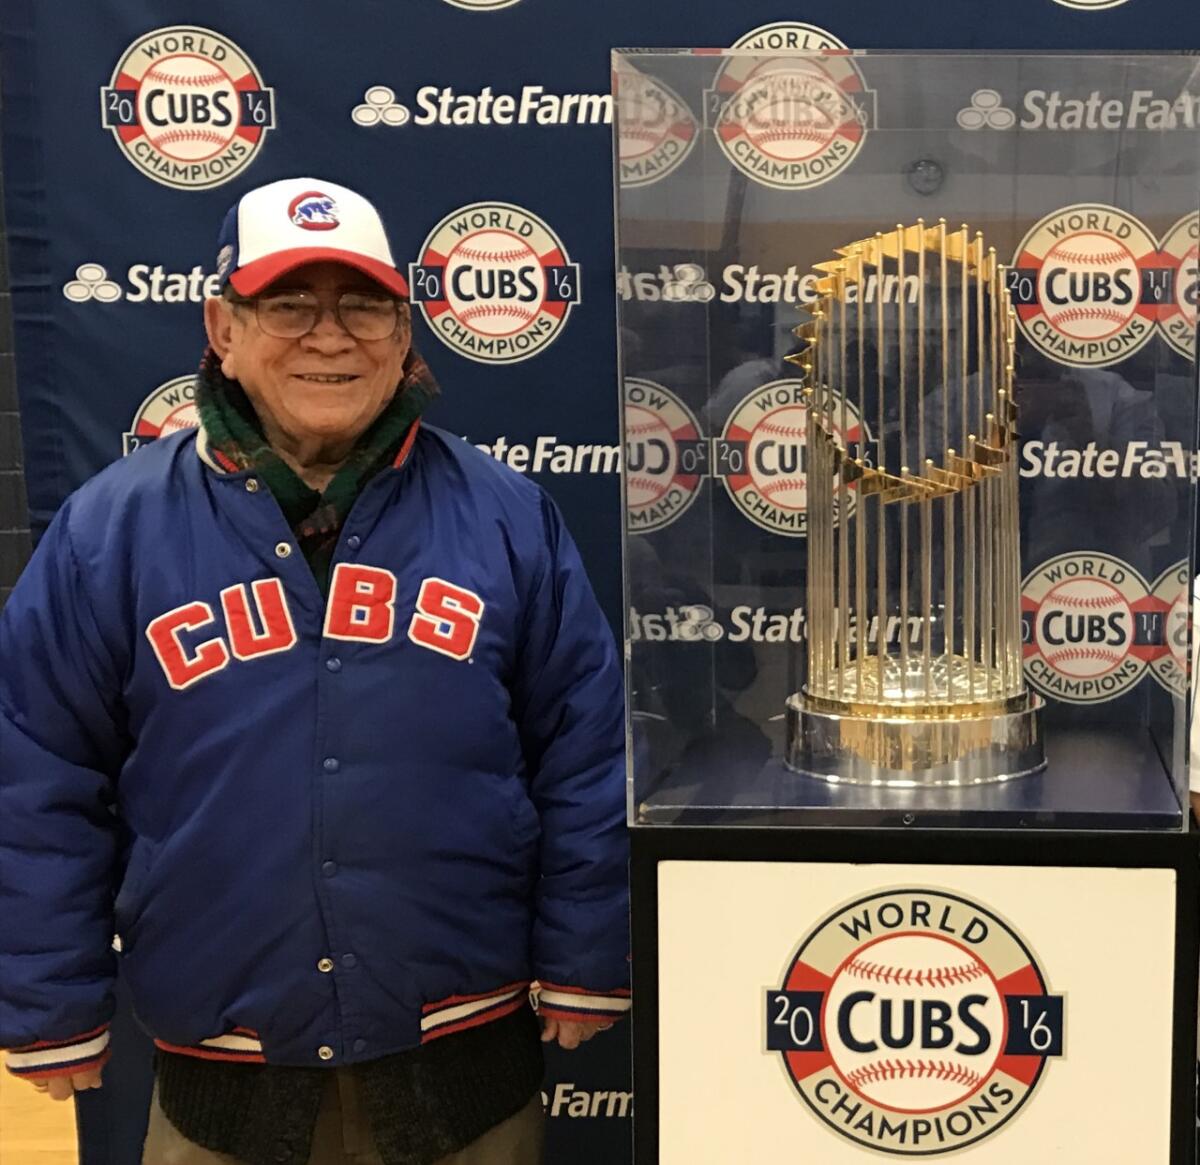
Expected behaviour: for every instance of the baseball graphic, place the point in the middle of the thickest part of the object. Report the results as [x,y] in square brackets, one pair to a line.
[1172,592]
[655,128]
[913,969]
[1180,252]
[494,282]
[187,107]
[1080,284]
[762,455]
[189,94]
[1088,260]
[644,427]
[792,122]
[476,271]
[170,408]
[914,1021]
[665,457]
[1088,627]
[1085,627]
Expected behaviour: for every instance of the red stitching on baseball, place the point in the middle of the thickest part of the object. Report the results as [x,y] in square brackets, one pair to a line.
[649,484]
[784,485]
[781,430]
[182,79]
[645,427]
[498,309]
[492,256]
[790,135]
[1104,258]
[1076,314]
[920,1069]
[1093,604]
[633,133]
[1093,653]
[905,976]
[188,135]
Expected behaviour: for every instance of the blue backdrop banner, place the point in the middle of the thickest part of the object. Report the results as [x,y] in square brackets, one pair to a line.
[482,129]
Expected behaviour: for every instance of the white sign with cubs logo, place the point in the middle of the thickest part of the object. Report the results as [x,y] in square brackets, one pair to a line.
[837,1012]
[762,455]
[791,122]
[1089,627]
[666,459]
[494,282]
[187,107]
[168,409]
[1177,316]
[1083,282]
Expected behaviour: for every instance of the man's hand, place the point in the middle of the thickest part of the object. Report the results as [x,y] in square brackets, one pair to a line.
[570,1033]
[64,1087]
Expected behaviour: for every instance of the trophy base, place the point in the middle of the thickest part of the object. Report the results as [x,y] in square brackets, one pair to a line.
[915,752]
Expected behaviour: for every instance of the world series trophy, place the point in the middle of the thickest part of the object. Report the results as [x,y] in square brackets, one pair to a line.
[914,586]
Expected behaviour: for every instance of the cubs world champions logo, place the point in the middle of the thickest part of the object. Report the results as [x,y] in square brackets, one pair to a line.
[762,455]
[1177,315]
[1084,282]
[655,129]
[168,409]
[187,107]
[914,1021]
[494,282]
[1089,627]
[791,122]
[666,458]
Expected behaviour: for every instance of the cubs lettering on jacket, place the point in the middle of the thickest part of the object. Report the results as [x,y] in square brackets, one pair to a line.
[339,827]
[362,607]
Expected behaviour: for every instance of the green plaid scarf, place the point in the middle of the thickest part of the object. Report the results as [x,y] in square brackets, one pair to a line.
[235,436]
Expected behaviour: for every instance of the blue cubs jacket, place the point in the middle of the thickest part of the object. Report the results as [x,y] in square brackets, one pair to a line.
[357,824]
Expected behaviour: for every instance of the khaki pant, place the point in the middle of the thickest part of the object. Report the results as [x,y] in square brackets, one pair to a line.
[343,1135]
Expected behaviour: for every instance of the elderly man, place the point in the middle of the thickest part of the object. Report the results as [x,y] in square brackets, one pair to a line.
[341,680]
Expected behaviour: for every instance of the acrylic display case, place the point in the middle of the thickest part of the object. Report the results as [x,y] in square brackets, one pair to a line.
[908,360]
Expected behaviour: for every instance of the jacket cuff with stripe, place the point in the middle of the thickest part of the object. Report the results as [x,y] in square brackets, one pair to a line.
[579,1005]
[49,1058]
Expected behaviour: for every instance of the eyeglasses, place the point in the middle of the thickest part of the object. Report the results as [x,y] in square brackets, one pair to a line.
[288,315]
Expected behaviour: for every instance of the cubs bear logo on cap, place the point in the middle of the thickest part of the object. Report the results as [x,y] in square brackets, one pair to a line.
[283,225]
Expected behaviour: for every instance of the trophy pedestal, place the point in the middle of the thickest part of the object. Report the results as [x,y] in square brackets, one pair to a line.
[925,749]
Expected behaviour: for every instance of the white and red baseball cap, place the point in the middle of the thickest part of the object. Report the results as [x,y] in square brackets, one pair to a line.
[283,225]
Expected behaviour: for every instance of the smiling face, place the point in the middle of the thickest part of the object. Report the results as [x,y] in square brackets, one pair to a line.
[324,389]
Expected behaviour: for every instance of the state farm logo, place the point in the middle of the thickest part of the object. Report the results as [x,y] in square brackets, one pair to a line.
[187,107]
[144,284]
[914,1021]
[1084,284]
[655,128]
[761,457]
[170,408]
[1056,111]
[443,105]
[1177,314]
[665,456]
[791,122]
[494,282]
[1089,627]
